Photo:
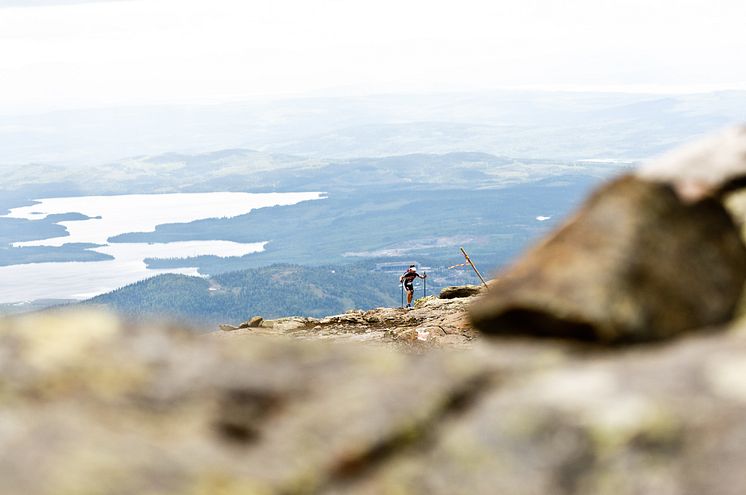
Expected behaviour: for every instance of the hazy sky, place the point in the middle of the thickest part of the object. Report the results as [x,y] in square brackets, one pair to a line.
[69,53]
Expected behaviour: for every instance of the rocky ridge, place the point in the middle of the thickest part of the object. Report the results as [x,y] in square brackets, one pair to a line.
[432,322]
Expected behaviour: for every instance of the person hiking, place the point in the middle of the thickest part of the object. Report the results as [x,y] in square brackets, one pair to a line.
[408,280]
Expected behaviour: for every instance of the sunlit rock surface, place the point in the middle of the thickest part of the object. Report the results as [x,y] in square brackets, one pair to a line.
[431,323]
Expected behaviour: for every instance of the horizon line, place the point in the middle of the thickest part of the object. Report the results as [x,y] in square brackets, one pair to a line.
[342,93]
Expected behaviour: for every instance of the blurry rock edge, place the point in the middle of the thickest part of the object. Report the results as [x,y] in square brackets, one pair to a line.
[646,257]
[92,406]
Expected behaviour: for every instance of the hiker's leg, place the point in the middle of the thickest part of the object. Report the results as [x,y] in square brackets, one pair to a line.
[410,293]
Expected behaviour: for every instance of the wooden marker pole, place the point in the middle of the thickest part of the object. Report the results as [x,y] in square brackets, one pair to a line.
[474,267]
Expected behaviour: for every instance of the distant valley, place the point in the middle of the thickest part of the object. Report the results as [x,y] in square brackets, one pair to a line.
[272,291]
[387,208]
[399,182]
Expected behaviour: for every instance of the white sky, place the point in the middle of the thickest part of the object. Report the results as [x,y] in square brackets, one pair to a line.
[66,53]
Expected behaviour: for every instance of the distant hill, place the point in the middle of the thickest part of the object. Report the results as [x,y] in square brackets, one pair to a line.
[391,218]
[411,176]
[536,124]
[272,291]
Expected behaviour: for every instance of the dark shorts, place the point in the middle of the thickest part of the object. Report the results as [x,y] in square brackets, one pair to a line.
[409,286]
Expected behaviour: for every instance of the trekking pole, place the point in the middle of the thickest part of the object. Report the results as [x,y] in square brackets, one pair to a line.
[474,267]
[424,285]
[402,294]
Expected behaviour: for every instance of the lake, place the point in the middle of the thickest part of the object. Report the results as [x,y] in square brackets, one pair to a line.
[113,215]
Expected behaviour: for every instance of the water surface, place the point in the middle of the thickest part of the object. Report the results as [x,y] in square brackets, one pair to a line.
[110,216]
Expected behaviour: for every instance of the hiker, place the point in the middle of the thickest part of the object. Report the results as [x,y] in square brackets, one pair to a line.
[408,279]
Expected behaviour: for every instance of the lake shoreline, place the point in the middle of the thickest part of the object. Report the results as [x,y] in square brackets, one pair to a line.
[100,218]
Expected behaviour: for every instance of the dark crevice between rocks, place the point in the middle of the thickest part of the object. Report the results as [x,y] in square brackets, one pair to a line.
[733,185]
[523,321]
[420,437]
[241,412]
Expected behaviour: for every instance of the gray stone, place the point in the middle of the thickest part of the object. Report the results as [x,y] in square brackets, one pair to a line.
[456,291]
[635,263]
[254,322]
[289,324]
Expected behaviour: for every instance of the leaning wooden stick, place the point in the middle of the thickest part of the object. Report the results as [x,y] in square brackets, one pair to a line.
[468,260]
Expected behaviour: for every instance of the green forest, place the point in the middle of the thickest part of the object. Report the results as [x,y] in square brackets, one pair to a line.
[272,291]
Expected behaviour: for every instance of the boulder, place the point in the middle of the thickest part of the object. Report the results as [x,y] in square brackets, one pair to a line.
[289,324]
[254,322]
[636,263]
[456,291]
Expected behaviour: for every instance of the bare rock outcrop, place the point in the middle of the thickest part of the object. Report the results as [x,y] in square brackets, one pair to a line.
[432,322]
[455,291]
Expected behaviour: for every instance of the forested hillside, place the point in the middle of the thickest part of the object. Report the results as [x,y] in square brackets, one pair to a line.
[272,291]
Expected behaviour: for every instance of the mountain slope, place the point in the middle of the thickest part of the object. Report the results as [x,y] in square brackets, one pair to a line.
[272,291]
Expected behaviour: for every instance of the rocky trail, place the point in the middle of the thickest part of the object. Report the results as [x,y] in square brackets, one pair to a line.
[432,322]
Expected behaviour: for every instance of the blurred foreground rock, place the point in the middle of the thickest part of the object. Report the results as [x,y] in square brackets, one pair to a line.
[647,257]
[91,406]
[636,263]
[643,421]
